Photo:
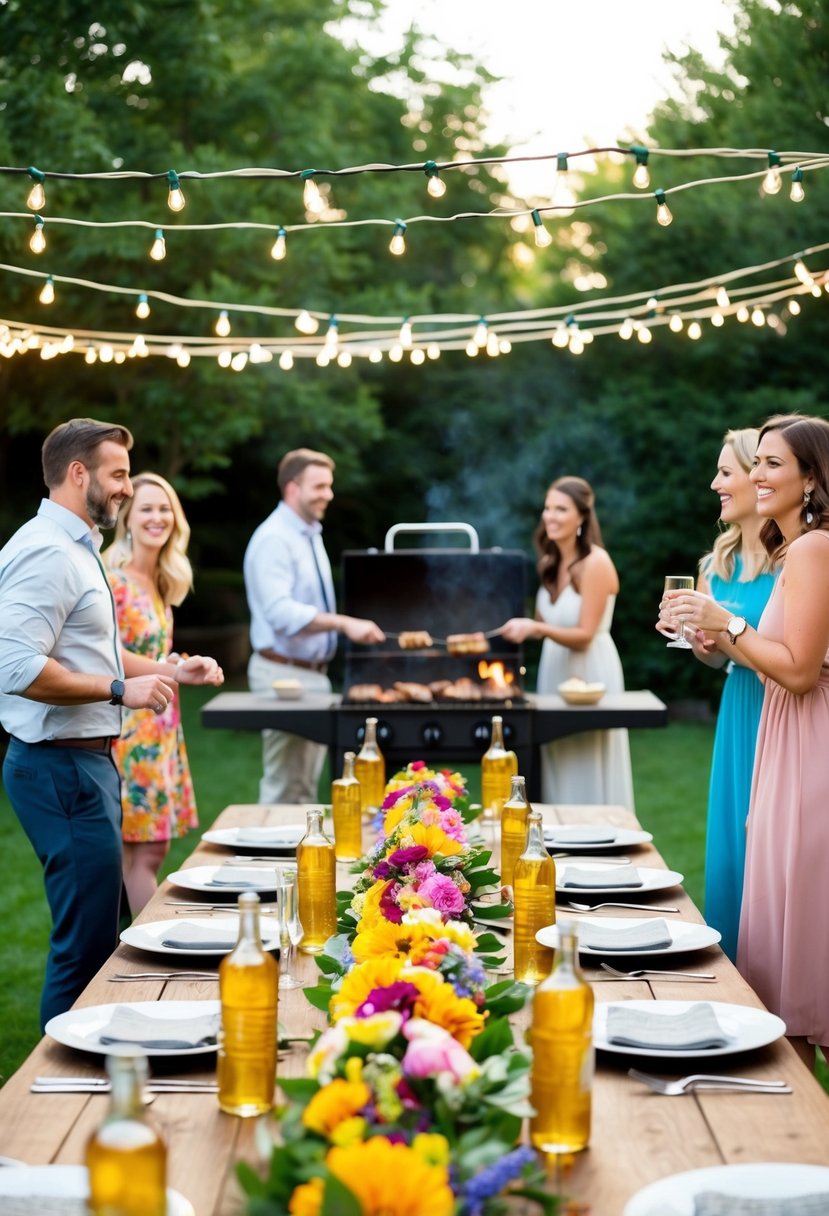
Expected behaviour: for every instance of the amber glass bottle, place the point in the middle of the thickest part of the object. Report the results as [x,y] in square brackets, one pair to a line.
[317,882]
[514,814]
[534,893]
[126,1157]
[562,1045]
[347,813]
[498,767]
[370,770]
[248,988]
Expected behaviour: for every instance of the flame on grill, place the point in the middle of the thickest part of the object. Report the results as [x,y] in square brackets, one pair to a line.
[497,680]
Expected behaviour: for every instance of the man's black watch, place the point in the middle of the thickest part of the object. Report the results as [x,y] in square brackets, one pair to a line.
[117,691]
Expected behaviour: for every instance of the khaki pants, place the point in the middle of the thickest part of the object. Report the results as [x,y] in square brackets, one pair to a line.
[291,765]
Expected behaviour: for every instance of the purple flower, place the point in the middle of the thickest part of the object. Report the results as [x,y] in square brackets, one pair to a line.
[389,906]
[423,871]
[442,894]
[407,857]
[400,996]
[492,1180]
[382,870]
[394,797]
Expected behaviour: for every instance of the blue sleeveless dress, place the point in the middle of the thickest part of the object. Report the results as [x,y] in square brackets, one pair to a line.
[732,764]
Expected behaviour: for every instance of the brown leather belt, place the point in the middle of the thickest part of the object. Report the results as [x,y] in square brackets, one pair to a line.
[100,743]
[306,664]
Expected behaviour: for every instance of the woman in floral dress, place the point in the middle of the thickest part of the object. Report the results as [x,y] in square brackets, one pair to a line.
[149,572]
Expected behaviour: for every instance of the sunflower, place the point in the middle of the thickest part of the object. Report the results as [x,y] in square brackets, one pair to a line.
[360,981]
[370,913]
[435,840]
[438,1003]
[384,938]
[333,1104]
[307,1199]
[391,1179]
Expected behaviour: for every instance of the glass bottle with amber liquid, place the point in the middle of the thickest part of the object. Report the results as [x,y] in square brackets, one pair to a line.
[370,771]
[514,815]
[498,767]
[534,895]
[347,813]
[561,1038]
[317,882]
[126,1157]
[248,990]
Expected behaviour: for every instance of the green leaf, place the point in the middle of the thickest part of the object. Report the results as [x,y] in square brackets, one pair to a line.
[319,996]
[338,1200]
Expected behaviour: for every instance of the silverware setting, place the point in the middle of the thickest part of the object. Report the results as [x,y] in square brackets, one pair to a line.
[636,907]
[194,907]
[703,976]
[98,1085]
[706,1081]
[120,977]
[593,859]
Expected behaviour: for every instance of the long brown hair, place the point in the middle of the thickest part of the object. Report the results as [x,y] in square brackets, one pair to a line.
[580,492]
[808,438]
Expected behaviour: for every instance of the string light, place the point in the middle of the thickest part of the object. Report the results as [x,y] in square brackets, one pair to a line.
[332,336]
[344,358]
[305,323]
[224,358]
[493,346]
[560,337]
[397,244]
[717,319]
[695,331]
[239,361]
[142,308]
[742,314]
[37,195]
[758,317]
[560,188]
[797,193]
[433,351]
[396,353]
[375,355]
[794,307]
[47,294]
[37,241]
[663,211]
[279,249]
[175,195]
[644,334]
[772,181]
[183,358]
[802,273]
[479,337]
[641,176]
[311,197]
[405,335]
[675,323]
[435,185]
[722,298]
[418,356]
[222,326]
[286,360]
[91,354]
[106,353]
[472,348]
[158,249]
[542,236]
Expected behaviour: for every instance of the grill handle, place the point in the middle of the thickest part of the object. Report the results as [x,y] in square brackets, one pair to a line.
[466,529]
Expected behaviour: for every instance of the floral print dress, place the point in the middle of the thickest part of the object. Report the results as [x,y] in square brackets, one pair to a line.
[156,788]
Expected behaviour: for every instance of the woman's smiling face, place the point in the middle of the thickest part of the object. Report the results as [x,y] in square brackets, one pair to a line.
[738,497]
[779,483]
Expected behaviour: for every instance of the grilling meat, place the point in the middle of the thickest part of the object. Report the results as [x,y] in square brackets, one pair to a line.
[365,692]
[415,639]
[464,689]
[467,643]
[421,693]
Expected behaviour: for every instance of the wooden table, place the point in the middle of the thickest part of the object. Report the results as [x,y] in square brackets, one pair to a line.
[636,1138]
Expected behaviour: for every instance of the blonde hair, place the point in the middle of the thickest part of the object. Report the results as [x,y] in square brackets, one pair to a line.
[174,576]
[721,559]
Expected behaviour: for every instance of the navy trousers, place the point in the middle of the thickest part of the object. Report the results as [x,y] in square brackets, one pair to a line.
[69,804]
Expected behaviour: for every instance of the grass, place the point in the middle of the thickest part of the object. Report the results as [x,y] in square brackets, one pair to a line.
[670,770]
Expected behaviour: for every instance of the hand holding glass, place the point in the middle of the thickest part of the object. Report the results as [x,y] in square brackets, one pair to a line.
[290,930]
[679,582]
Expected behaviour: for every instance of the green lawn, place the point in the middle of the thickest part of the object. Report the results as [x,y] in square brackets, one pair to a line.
[670,775]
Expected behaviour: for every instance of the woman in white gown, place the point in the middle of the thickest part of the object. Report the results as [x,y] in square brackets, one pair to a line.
[573,615]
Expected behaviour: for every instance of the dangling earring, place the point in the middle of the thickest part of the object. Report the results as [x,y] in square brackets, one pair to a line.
[578,530]
[128,537]
[809,515]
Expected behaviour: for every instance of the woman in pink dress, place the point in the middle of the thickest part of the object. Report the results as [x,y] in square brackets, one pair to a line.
[783,948]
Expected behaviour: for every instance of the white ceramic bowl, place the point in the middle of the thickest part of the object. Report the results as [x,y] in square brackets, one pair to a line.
[581,694]
[288,690]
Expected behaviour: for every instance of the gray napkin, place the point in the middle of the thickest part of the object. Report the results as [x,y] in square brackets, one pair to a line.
[653,935]
[589,834]
[235,876]
[713,1203]
[697,1029]
[612,876]
[166,1034]
[187,935]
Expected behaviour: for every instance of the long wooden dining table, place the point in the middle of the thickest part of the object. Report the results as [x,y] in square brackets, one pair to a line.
[637,1136]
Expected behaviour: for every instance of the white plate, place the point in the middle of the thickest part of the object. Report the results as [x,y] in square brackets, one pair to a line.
[150,936]
[685,935]
[198,878]
[281,838]
[80,1027]
[563,838]
[652,880]
[674,1196]
[68,1182]
[748,1027]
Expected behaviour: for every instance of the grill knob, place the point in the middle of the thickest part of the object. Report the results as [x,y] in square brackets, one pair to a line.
[432,734]
[385,734]
[482,733]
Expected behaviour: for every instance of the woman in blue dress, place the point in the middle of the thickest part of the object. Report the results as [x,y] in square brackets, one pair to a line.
[737,574]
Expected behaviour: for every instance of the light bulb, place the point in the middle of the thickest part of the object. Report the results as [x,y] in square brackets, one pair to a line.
[493,346]
[560,337]
[176,199]
[802,273]
[279,249]
[644,335]
[418,356]
[480,335]
[742,313]
[239,361]
[91,355]
[312,198]
[47,294]
[626,329]
[797,193]
[158,250]
[772,181]
[576,343]
[471,349]
[663,211]
[305,323]
[560,189]
[722,298]
[436,186]
[120,356]
[139,346]
[224,358]
[142,308]
[641,177]
[323,358]
[37,197]
[107,353]
[405,335]
[695,331]
[222,326]
[433,351]
[344,358]
[286,360]
[37,242]
[542,236]
[331,337]
[397,244]
[717,319]
[504,346]
[794,307]
[675,323]
[758,317]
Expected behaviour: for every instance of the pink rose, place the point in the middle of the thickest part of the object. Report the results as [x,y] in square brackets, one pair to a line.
[442,894]
[433,1053]
[453,825]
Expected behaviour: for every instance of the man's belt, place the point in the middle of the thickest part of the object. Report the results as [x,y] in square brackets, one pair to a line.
[306,664]
[98,743]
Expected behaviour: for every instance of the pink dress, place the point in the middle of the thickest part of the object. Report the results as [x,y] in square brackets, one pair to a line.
[783,948]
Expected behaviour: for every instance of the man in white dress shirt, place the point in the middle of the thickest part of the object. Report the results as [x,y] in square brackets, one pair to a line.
[294,622]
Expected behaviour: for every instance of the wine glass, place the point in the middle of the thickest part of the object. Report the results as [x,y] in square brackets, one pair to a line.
[680,582]
[290,930]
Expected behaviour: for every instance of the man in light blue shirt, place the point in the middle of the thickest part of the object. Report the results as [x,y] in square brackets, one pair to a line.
[294,622]
[63,678]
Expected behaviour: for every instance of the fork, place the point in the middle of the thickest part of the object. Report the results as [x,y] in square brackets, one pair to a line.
[637,907]
[578,857]
[123,976]
[643,971]
[703,1081]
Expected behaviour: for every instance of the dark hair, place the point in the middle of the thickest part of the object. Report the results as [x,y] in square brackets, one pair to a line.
[78,439]
[808,438]
[296,462]
[549,554]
